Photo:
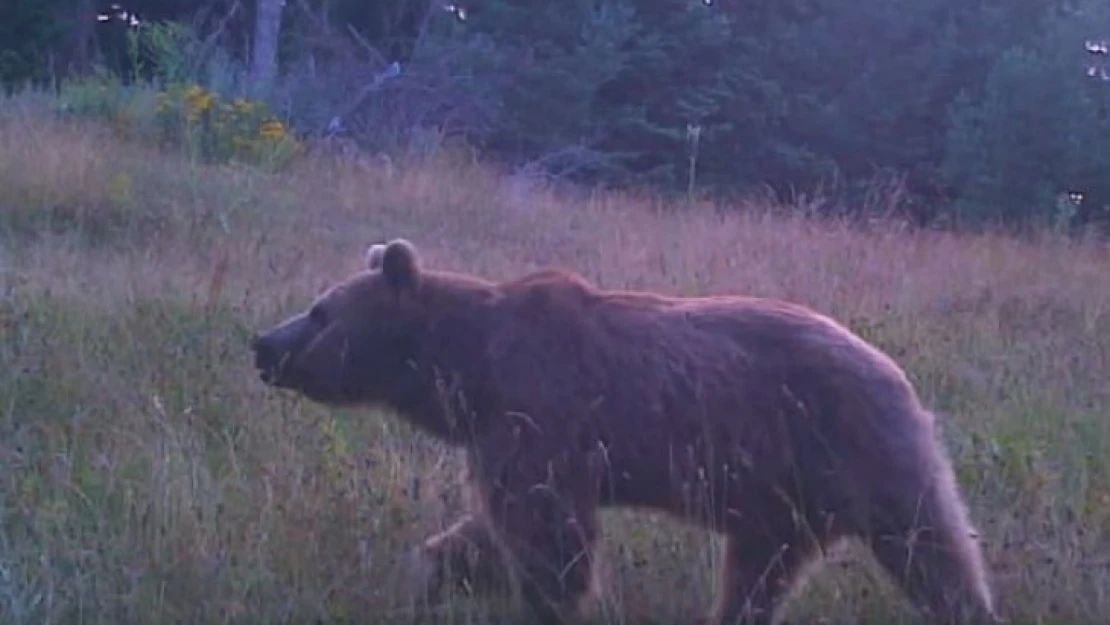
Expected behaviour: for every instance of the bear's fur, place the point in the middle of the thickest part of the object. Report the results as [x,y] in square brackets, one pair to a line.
[757,419]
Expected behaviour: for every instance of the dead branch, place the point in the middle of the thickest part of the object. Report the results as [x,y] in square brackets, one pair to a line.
[210,41]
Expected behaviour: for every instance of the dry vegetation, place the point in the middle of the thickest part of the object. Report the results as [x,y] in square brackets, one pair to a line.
[146,476]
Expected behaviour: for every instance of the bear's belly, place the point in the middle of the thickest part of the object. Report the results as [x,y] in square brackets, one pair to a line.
[665,481]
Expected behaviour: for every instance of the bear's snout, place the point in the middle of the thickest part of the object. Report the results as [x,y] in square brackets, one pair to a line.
[262,349]
[267,357]
[276,347]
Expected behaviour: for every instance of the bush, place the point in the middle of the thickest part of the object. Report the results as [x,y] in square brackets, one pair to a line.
[207,124]
[177,95]
[215,128]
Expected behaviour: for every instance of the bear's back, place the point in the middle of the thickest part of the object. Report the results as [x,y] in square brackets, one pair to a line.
[565,341]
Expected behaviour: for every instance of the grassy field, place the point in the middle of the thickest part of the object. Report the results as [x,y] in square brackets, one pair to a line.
[146,476]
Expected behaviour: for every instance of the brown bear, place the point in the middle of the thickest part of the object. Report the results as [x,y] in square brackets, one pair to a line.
[759,420]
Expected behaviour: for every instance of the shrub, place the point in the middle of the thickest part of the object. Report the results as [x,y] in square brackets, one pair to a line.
[207,124]
[220,129]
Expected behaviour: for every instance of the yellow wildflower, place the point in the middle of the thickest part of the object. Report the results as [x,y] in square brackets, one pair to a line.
[199,101]
[272,130]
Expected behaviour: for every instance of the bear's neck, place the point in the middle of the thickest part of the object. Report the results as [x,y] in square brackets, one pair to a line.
[447,377]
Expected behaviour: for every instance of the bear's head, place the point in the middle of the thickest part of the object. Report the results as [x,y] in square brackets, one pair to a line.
[354,343]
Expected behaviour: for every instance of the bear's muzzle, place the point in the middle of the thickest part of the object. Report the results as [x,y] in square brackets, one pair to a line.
[268,359]
[274,349]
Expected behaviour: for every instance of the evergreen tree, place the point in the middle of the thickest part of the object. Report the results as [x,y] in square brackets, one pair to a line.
[1038,130]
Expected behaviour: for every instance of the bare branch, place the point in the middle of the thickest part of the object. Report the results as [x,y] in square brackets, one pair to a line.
[366,45]
[210,41]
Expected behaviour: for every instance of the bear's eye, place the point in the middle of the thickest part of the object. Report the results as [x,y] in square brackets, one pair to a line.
[318,316]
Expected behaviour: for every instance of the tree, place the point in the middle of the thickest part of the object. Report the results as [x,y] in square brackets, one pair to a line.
[1038,131]
[264,56]
[28,32]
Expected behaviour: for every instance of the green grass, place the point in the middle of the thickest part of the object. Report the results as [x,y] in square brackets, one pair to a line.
[146,476]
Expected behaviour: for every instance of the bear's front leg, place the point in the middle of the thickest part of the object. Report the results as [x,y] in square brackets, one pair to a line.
[465,555]
[550,530]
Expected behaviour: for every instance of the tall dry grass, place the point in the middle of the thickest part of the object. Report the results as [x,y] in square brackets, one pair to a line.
[146,476]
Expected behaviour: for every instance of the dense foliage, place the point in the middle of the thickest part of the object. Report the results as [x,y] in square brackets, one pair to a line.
[979,109]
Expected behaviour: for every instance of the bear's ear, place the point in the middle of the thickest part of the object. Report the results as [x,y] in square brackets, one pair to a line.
[400,265]
[374,255]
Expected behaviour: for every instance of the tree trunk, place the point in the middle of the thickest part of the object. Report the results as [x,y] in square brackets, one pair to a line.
[267,31]
[78,54]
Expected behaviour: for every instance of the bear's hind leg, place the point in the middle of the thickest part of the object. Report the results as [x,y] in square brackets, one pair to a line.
[762,561]
[922,538]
